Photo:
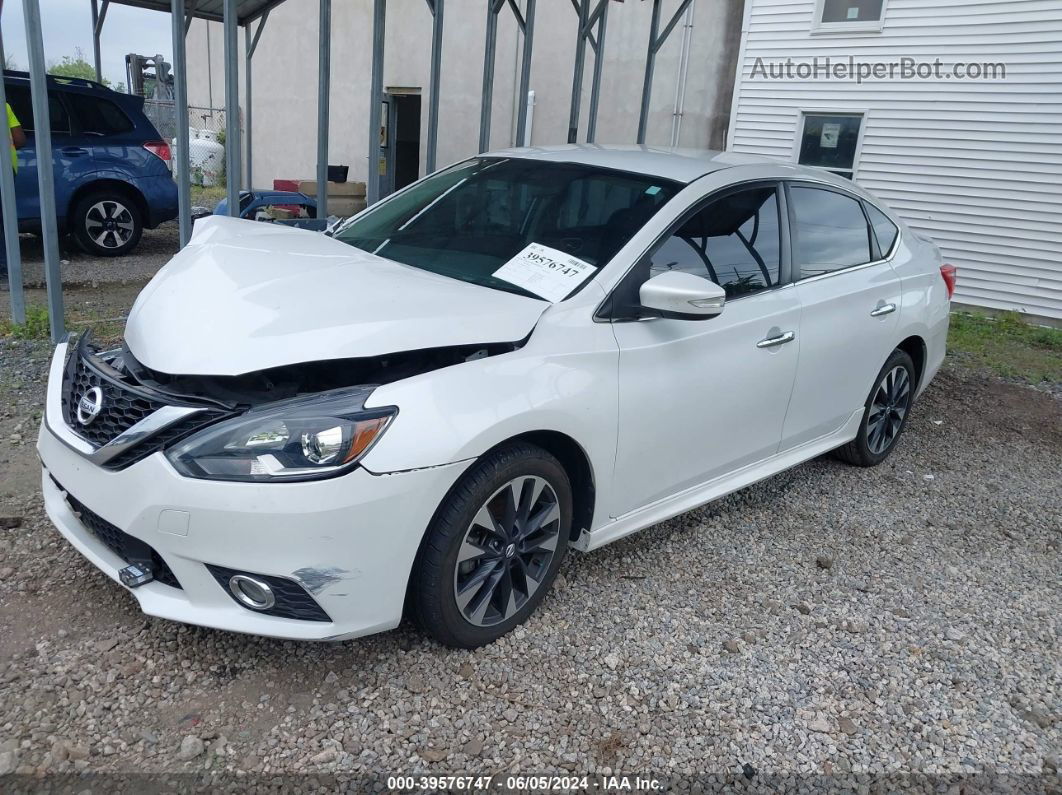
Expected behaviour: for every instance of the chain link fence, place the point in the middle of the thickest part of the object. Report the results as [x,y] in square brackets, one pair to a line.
[206,133]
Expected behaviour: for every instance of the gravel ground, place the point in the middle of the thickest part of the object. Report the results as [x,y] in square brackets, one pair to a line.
[830,622]
[81,269]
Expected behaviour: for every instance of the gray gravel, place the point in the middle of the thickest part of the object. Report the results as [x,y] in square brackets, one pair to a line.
[83,270]
[829,622]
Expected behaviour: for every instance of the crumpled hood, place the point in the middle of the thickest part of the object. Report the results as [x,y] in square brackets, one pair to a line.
[245,296]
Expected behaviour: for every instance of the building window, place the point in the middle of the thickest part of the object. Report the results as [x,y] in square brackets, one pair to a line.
[830,141]
[848,15]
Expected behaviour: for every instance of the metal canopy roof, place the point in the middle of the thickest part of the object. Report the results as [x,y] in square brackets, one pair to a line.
[247,11]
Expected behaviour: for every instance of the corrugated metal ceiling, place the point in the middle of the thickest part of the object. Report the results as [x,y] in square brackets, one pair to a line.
[246,10]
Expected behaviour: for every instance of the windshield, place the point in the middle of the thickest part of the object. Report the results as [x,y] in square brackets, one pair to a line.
[468,221]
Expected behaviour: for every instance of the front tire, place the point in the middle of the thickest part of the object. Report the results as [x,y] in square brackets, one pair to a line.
[494,547]
[107,223]
[885,415]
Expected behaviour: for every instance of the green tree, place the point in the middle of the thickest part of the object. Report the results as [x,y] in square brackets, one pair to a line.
[75,66]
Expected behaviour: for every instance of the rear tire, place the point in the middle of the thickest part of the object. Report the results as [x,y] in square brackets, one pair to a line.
[107,223]
[885,414]
[493,548]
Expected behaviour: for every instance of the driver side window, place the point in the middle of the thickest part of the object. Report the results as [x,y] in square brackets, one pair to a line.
[735,241]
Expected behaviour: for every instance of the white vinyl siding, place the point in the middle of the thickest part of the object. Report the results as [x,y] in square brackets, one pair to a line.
[974,164]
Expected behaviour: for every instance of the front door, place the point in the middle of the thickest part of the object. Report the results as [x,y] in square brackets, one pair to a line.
[850,299]
[701,398]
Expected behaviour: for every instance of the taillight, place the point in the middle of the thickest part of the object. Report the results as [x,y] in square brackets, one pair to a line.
[160,149]
[950,274]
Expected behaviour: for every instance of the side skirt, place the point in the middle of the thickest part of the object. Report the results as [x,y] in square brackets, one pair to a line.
[714,489]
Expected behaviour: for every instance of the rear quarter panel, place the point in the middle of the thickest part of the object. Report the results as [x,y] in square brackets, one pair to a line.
[925,307]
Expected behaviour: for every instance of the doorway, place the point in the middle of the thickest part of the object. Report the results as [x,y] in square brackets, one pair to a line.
[400,139]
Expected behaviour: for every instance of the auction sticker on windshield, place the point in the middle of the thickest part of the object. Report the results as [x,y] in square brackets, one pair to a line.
[545,271]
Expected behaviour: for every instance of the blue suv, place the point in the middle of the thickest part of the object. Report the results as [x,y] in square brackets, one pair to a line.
[112,168]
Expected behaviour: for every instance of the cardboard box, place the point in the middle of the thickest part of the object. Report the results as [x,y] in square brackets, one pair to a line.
[344,189]
[344,206]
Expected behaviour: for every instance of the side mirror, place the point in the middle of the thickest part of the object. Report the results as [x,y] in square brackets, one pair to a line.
[682,296]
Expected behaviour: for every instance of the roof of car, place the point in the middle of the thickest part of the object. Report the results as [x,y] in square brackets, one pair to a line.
[674,163]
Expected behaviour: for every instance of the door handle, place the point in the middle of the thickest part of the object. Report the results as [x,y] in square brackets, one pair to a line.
[73,151]
[884,309]
[772,342]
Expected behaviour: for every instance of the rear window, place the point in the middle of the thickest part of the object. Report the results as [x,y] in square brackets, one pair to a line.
[98,116]
[884,230]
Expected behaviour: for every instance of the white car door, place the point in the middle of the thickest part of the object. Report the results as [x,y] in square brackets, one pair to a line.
[850,297]
[700,398]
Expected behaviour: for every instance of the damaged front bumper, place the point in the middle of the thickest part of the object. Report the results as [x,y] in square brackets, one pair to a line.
[348,542]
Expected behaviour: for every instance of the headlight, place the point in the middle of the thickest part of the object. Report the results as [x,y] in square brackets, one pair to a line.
[299,439]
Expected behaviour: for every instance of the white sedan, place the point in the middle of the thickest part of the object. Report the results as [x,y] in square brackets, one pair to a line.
[309,436]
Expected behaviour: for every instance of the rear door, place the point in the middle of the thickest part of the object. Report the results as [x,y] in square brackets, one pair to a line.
[109,134]
[850,297]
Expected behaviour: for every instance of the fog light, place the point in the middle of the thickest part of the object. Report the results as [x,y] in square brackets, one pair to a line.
[251,593]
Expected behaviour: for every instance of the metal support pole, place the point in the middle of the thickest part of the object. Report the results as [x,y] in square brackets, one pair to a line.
[599,61]
[45,183]
[180,98]
[493,6]
[10,218]
[436,73]
[523,135]
[250,44]
[248,117]
[232,110]
[650,64]
[324,77]
[96,40]
[577,72]
[372,185]
[656,40]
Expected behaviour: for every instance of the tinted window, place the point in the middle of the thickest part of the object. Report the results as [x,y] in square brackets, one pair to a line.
[851,10]
[19,98]
[468,221]
[830,141]
[830,231]
[98,116]
[884,229]
[734,241]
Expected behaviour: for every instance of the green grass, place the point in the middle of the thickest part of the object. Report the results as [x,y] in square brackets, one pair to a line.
[1007,346]
[37,326]
[207,197]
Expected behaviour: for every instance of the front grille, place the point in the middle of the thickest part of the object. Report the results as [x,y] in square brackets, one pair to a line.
[168,436]
[122,408]
[124,405]
[127,547]
[292,601]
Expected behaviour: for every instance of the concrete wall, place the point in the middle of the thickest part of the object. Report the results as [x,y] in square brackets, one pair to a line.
[285,77]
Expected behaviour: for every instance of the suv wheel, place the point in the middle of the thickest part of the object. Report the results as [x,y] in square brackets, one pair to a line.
[493,548]
[107,223]
[885,415]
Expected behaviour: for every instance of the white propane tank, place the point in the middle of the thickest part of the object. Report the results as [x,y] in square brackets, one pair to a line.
[206,157]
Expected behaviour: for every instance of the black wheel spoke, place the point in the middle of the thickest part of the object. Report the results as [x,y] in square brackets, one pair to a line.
[507,550]
[888,409]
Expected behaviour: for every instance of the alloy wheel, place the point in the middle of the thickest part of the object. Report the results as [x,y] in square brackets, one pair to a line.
[891,400]
[506,551]
[109,223]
